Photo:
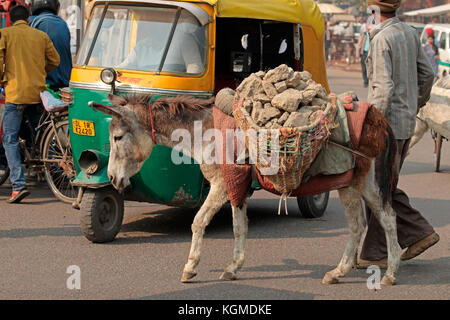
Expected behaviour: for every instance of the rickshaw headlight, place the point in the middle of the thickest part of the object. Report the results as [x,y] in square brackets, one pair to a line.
[108,76]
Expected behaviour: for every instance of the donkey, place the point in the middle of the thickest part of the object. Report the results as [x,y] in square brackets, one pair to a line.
[138,125]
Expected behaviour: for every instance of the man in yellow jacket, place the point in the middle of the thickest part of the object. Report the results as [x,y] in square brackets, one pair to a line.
[26,56]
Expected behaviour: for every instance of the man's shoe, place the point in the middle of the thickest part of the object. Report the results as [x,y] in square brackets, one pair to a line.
[364,264]
[18,195]
[420,246]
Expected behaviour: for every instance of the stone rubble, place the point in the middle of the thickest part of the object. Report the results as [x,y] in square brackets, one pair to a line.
[282,97]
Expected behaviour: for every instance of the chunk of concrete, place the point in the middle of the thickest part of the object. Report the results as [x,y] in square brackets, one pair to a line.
[288,100]
[280,73]
[269,89]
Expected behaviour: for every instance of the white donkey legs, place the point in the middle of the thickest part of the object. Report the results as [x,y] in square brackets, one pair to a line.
[217,197]
[387,218]
[240,229]
[351,201]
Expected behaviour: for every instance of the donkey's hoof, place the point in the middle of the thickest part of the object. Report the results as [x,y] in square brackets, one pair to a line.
[329,279]
[388,280]
[187,275]
[228,276]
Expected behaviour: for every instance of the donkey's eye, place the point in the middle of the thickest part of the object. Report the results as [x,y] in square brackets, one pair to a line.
[117,138]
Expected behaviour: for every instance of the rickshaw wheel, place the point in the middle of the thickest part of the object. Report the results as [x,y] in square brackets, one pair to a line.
[101,214]
[313,206]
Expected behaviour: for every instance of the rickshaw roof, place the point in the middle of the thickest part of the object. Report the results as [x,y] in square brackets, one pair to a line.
[305,12]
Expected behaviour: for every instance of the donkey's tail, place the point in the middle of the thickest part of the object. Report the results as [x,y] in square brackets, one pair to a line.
[386,168]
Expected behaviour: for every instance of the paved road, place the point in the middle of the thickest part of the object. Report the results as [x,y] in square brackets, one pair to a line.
[286,256]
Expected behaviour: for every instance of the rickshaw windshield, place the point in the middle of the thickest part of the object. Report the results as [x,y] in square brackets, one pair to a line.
[159,39]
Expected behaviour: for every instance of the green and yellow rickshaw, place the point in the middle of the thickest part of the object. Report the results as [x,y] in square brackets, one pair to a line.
[169,48]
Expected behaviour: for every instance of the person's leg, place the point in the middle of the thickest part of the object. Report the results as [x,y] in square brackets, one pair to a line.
[11,125]
[364,70]
[411,225]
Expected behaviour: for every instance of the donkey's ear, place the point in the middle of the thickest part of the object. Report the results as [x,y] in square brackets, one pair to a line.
[109,110]
[117,100]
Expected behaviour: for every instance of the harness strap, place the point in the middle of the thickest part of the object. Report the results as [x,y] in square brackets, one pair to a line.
[350,150]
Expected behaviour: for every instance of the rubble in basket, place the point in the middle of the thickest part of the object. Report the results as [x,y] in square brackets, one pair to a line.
[282,97]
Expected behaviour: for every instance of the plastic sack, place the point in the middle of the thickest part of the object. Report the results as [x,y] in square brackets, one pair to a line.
[52,104]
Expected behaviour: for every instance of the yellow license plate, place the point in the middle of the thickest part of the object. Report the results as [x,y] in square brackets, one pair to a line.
[83,128]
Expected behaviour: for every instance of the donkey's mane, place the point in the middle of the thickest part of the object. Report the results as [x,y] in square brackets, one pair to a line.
[172,105]
[169,112]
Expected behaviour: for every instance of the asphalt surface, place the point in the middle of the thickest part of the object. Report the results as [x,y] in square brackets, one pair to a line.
[286,256]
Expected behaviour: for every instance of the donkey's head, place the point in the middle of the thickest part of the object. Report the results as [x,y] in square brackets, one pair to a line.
[130,144]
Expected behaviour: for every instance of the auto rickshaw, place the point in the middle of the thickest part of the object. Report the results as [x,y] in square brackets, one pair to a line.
[169,48]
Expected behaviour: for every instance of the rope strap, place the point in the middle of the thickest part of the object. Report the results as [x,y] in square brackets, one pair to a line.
[350,150]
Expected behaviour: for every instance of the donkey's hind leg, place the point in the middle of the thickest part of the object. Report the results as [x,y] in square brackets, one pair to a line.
[387,218]
[351,201]
[216,198]
[240,229]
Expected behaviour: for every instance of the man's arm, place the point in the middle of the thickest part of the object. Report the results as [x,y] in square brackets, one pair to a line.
[51,55]
[425,78]
[382,85]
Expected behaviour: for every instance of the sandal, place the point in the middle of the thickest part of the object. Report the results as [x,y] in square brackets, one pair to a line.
[18,195]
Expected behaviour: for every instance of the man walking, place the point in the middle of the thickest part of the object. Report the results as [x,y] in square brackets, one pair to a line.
[45,18]
[27,55]
[400,83]
[362,50]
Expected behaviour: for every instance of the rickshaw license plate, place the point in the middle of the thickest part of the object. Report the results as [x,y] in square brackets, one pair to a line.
[83,128]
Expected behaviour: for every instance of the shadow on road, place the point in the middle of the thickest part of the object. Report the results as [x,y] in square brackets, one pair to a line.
[174,224]
[69,231]
[233,291]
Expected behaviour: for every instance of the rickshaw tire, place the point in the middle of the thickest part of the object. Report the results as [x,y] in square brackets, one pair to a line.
[313,206]
[94,201]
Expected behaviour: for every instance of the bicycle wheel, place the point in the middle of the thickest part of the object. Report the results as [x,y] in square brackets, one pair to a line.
[59,168]
[4,169]
[4,174]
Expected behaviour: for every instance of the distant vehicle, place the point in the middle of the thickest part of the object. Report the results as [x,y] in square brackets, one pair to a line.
[442,34]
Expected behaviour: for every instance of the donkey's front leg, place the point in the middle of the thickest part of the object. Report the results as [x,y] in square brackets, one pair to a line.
[351,201]
[240,229]
[217,197]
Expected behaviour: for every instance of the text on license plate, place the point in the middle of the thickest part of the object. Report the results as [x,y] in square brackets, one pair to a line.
[82,127]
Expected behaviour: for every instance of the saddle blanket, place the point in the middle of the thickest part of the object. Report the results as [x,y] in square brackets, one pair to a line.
[238,177]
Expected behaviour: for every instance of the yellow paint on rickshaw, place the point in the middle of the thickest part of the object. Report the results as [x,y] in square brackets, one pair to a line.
[304,12]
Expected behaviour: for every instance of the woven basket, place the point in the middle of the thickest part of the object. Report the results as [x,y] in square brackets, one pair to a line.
[297,147]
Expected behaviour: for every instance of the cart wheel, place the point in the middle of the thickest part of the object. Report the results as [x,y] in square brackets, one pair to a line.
[101,214]
[438,146]
[313,206]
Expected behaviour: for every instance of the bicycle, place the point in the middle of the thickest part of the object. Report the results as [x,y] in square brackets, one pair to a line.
[48,153]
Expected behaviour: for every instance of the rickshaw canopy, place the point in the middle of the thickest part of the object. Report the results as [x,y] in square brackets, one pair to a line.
[304,12]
